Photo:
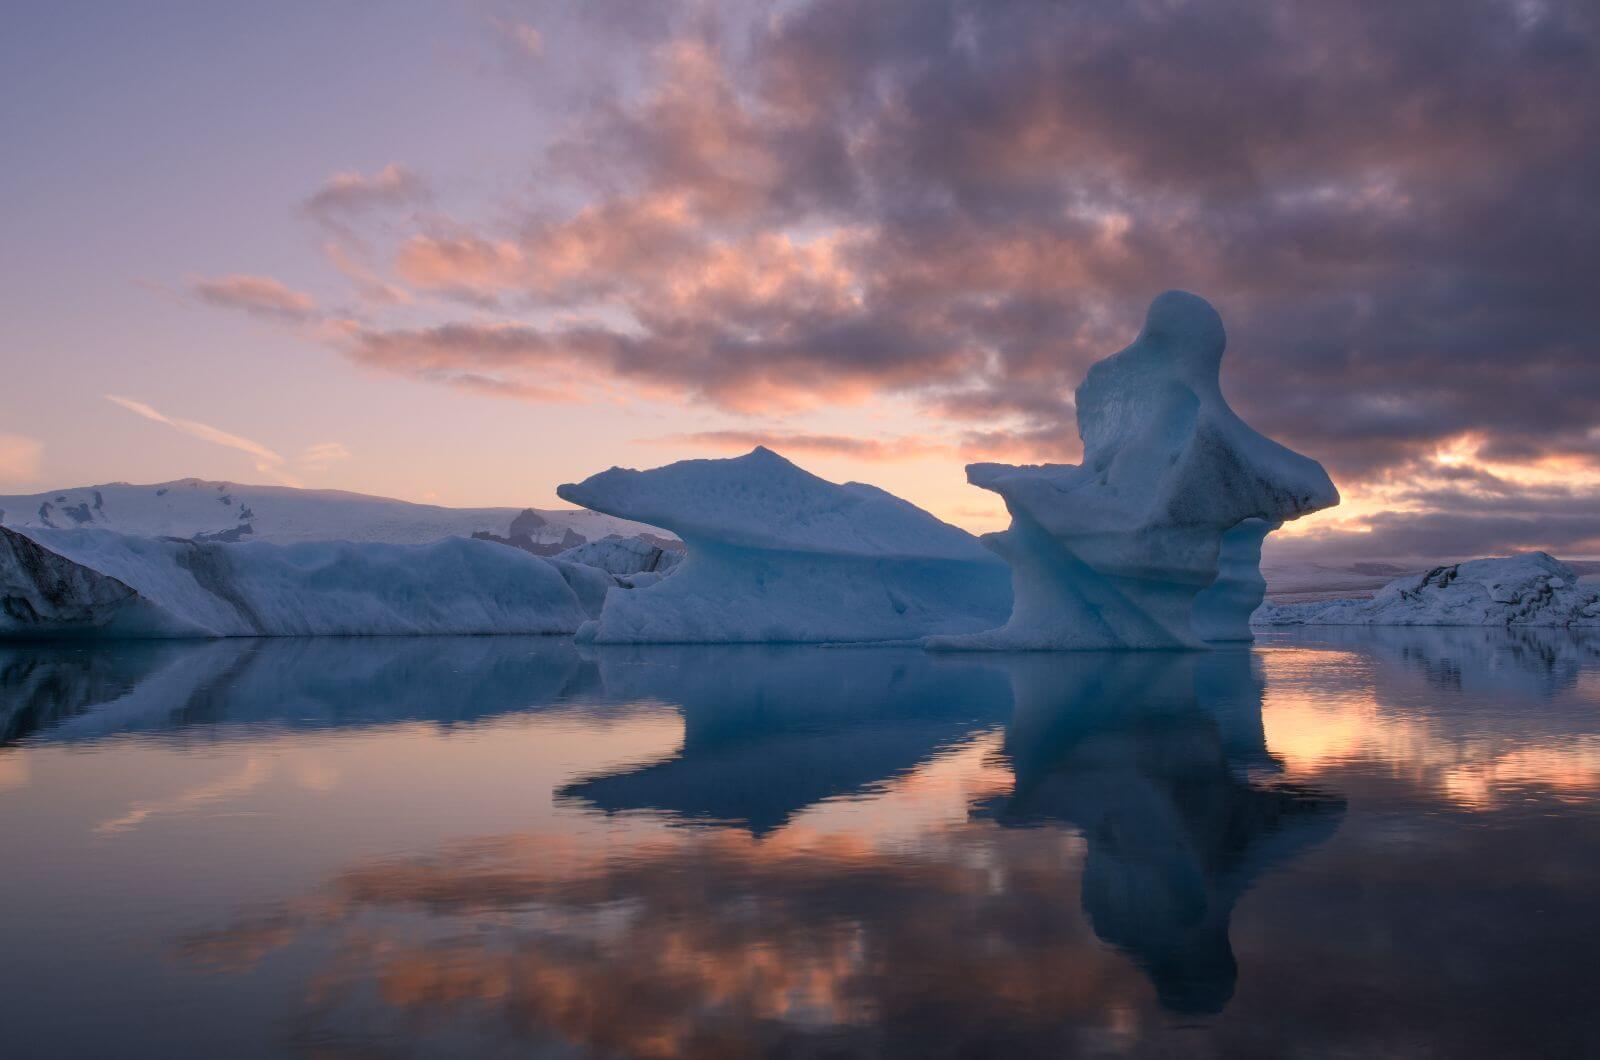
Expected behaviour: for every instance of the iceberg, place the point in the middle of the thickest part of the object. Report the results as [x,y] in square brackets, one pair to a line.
[624,557]
[1115,552]
[101,583]
[777,554]
[1222,609]
[1529,589]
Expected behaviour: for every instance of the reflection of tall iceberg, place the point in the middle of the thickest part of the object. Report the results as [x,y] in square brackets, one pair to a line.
[1148,757]
[778,554]
[1113,553]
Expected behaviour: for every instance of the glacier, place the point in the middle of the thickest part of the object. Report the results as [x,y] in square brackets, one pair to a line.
[777,554]
[205,510]
[100,583]
[1116,551]
[1528,589]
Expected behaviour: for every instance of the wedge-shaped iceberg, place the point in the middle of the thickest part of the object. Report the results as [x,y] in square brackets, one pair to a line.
[776,554]
[1531,589]
[1113,552]
[100,583]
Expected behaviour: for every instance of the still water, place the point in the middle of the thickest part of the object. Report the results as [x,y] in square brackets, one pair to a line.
[1360,843]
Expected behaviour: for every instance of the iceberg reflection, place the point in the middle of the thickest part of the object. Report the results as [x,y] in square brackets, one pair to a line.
[770,731]
[70,692]
[1148,759]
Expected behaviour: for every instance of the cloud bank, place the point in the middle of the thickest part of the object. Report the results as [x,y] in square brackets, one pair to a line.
[963,204]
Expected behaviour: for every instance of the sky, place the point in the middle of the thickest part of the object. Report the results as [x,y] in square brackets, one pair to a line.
[462,253]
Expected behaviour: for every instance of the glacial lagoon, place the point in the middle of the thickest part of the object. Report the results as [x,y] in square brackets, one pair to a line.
[1340,842]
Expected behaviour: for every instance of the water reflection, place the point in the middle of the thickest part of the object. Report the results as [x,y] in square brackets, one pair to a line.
[1149,758]
[70,692]
[1481,660]
[769,731]
[755,851]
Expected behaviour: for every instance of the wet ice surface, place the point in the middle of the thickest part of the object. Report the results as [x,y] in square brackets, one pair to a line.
[1341,842]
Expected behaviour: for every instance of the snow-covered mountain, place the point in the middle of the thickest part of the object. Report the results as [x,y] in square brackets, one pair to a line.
[226,511]
[1530,589]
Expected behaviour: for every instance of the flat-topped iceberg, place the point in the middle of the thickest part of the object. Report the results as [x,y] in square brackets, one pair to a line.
[776,554]
[1530,589]
[101,583]
[1114,552]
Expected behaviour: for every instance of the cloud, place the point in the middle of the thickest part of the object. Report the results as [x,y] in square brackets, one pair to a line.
[963,205]
[902,448]
[1450,526]
[20,458]
[258,295]
[372,287]
[844,358]
[350,192]
[529,39]
[266,461]
[321,456]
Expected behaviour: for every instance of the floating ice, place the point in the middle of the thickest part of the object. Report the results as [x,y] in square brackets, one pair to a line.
[777,554]
[624,556]
[1530,589]
[100,583]
[1222,609]
[1113,553]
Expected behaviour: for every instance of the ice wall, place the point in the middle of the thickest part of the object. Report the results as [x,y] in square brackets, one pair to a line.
[100,583]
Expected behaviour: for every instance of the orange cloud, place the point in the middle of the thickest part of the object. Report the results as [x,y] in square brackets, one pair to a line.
[902,448]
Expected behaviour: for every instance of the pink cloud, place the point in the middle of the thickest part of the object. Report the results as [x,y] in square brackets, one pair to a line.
[259,295]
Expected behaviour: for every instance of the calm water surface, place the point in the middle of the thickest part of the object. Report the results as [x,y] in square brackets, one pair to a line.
[1355,844]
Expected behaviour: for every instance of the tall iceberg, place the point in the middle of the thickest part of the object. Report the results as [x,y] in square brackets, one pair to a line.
[776,554]
[1222,609]
[1114,552]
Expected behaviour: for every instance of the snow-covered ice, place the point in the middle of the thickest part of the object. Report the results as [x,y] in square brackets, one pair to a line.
[1113,552]
[1529,589]
[99,583]
[777,554]
[624,556]
[229,511]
